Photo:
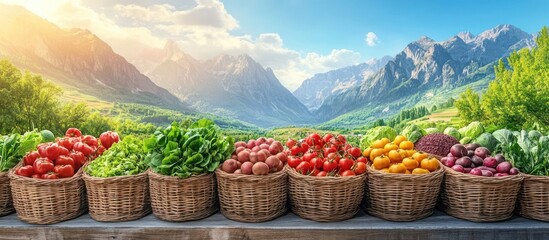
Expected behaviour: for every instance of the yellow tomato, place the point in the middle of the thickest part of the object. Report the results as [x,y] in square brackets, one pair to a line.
[420,171]
[399,139]
[430,164]
[407,145]
[408,172]
[410,153]
[376,152]
[397,168]
[381,162]
[390,146]
[385,140]
[420,156]
[366,152]
[410,163]
[396,156]
[385,170]
[378,144]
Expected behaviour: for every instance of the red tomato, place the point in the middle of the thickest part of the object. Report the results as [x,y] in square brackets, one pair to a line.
[36,175]
[108,139]
[64,171]
[360,168]
[334,157]
[43,165]
[295,150]
[26,171]
[65,160]
[317,162]
[90,141]
[294,161]
[49,175]
[79,159]
[355,152]
[53,151]
[341,139]
[327,137]
[73,132]
[329,166]
[315,140]
[329,150]
[309,156]
[362,159]
[290,143]
[83,148]
[304,147]
[303,168]
[321,174]
[65,142]
[314,172]
[31,157]
[348,173]
[345,164]
[42,149]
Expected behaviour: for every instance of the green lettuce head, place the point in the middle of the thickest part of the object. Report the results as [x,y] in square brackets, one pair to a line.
[377,133]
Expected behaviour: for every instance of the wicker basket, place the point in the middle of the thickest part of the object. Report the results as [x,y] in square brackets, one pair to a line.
[477,198]
[325,199]
[176,199]
[116,199]
[533,198]
[250,198]
[402,197]
[43,201]
[6,204]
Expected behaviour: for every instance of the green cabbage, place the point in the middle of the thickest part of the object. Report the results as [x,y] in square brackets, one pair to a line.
[534,135]
[487,140]
[473,130]
[375,134]
[432,130]
[452,132]
[47,136]
[465,140]
[412,132]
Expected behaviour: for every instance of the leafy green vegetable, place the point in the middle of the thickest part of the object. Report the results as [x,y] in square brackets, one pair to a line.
[487,140]
[465,140]
[432,130]
[126,157]
[183,152]
[47,136]
[473,130]
[14,146]
[377,133]
[452,132]
[412,132]
[528,151]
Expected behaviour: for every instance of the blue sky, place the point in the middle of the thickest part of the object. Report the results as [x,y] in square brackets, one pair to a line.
[321,25]
[296,38]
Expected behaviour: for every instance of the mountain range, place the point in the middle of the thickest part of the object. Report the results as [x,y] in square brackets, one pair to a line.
[240,88]
[425,67]
[75,58]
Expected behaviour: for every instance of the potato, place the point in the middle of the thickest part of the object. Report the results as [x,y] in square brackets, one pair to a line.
[273,149]
[246,168]
[240,144]
[264,146]
[256,149]
[260,141]
[487,173]
[239,149]
[260,168]
[464,161]
[280,166]
[253,157]
[270,141]
[230,165]
[261,156]
[251,143]
[267,153]
[234,157]
[282,157]
[243,156]
[272,161]
[237,171]
[238,164]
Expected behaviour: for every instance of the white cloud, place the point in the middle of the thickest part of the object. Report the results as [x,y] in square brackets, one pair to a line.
[371,39]
[203,30]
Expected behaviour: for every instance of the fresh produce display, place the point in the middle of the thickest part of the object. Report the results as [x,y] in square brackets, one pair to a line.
[14,146]
[412,132]
[325,156]
[436,143]
[470,132]
[257,157]
[108,139]
[399,156]
[476,160]
[452,131]
[121,159]
[62,158]
[183,152]
[528,151]
[377,133]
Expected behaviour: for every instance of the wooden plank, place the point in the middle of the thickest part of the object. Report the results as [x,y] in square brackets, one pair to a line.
[289,226]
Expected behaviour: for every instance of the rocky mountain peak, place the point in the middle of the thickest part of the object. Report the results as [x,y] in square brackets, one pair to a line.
[467,37]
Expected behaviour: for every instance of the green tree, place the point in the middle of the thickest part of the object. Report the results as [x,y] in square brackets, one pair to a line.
[519,96]
[72,115]
[468,105]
